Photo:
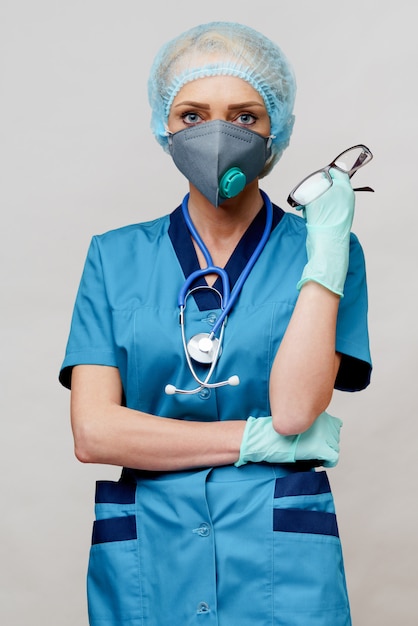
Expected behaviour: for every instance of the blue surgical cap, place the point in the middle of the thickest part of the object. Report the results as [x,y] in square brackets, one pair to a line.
[230,49]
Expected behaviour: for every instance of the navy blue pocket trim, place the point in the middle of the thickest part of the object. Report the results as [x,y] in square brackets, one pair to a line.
[302,521]
[114,529]
[111,492]
[302,484]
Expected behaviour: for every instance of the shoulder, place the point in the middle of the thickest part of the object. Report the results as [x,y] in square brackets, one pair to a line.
[290,224]
[142,231]
[122,249]
[290,231]
[293,224]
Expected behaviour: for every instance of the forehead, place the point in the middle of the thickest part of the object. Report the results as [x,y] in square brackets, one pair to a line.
[218,90]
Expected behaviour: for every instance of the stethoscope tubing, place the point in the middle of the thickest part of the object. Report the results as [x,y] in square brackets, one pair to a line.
[210,269]
[229,297]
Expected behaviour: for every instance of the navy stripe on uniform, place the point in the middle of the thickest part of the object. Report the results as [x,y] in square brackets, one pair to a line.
[303,521]
[302,484]
[114,529]
[111,492]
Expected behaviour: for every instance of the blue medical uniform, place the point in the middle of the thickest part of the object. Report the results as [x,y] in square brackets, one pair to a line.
[255,545]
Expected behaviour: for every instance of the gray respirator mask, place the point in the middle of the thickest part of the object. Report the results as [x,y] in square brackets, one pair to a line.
[219,158]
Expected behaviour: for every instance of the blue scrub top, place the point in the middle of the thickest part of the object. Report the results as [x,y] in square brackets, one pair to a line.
[126,316]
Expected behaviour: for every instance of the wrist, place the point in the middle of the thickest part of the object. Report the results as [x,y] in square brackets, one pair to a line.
[314,290]
[328,258]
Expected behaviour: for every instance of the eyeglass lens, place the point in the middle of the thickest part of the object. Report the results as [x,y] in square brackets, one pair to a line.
[318,183]
[352,159]
[312,187]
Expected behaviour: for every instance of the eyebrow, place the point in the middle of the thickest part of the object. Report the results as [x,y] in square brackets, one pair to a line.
[201,105]
[245,105]
[190,103]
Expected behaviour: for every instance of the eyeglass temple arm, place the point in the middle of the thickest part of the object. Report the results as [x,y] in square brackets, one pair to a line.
[362,189]
[363,155]
[355,167]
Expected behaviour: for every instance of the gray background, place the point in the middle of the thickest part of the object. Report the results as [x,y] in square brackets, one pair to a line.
[77,158]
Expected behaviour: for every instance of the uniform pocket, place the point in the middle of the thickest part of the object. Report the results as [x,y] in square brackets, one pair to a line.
[308,579]
[114,529]
[302,521]
[308,491]
[113,584]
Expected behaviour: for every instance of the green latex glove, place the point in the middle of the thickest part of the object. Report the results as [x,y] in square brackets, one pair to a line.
[321,441]
[261,442]
[328,222]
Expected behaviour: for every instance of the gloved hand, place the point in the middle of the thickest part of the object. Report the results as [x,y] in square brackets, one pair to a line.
[328,222]
[321,441]
[261,442]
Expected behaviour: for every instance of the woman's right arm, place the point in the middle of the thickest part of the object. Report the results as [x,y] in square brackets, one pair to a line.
[108,433]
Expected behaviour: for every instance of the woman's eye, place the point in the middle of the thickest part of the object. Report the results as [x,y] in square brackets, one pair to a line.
[246,119]
[191,118]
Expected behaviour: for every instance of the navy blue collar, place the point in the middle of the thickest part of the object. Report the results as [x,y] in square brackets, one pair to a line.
[186,253]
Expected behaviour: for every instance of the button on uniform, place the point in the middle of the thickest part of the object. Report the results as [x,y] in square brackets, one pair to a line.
[203,607]
[204,394]
[203,530]
[210,319]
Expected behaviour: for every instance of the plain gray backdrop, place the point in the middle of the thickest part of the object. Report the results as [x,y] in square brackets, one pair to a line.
[78,158]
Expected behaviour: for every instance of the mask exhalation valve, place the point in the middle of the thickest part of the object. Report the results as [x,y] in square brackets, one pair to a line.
[232,182]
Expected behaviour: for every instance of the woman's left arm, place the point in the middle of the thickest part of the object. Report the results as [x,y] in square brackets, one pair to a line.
[306,364]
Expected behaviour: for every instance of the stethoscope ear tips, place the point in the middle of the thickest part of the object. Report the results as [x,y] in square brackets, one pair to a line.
[232,380]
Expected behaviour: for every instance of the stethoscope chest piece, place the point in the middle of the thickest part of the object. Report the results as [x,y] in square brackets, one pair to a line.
[204,349]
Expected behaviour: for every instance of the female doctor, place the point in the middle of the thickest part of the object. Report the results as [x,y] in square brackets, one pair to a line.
[203,354]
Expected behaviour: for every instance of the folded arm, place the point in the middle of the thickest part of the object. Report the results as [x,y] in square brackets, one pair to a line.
[106,432]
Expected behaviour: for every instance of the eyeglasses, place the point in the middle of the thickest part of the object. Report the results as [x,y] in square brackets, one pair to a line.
[316,184]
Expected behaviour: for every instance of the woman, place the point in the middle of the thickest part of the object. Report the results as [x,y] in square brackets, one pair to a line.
[219,516]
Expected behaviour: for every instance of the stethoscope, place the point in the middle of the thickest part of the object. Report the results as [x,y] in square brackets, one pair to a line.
[205,348]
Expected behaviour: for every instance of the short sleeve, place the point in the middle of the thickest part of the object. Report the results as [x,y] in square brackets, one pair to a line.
[91,337]
[352,339]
